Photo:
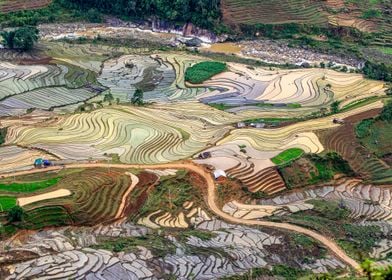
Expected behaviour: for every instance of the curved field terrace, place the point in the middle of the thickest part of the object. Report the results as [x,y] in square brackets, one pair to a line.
[141,163]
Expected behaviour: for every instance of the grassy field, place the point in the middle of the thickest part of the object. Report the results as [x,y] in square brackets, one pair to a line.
[202,71]
[27,187]
[375,135]
[287,156]
[7,202]
[386,50]
[314,169]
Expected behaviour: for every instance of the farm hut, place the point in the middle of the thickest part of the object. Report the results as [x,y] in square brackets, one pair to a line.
[260,125]
[204,155]
[38,162]
[47,163]
[338,121]
[241,125]
[219,174]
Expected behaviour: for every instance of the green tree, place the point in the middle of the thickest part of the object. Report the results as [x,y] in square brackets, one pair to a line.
[137,98]
[93,15]
[25,38]
[386,113]
[15,214]
[108,97]
[373,272]
[335,107]
[8,38]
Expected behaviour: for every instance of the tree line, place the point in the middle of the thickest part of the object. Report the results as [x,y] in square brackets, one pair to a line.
[203,13]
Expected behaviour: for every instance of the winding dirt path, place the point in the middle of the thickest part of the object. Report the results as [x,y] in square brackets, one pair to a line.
[328,243]
[134,182]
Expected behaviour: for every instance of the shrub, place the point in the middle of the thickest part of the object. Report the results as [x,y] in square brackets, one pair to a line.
[363,128]
[3,134]
[15,214]
[137,98]
[335,107]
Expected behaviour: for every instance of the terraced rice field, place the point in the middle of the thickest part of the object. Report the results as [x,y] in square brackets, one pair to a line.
[272,12]
[7,6]
[47,98]
[137,135]
[342,139]
[307,87]
[91,255]
[319,13]
[14,158]
[366,202]
[161,77]
[246,153]
[83,197]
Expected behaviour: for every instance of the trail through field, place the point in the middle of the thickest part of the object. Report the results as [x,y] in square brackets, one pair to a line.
[328,243]
[50,195]
[135,181]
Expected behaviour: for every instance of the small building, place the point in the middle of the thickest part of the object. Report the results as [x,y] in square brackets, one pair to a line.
[338,121]
[204,155]
[47,163]
[38,162]
[219,174]
[241,125]
[260,125]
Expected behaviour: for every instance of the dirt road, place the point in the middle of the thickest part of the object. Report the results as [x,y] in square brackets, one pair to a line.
[328,243]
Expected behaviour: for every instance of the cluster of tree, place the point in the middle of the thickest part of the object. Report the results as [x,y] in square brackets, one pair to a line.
[376,71]
[204,13]
[386,113]
[22,38]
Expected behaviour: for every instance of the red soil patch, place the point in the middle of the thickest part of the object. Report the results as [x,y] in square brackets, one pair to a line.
[147,181]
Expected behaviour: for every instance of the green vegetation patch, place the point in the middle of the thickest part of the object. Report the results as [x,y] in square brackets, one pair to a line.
[48,216]
[158,245]
[287,156]
[386,50]
[363,129]
[3,134]
[314,169]
[201,234]
[331,218]
[203,71]
[376,134]
[7,202]
[170,194]
[29,186]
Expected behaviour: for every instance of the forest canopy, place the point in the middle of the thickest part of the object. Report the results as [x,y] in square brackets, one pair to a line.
[203,13]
